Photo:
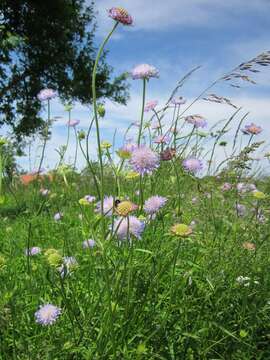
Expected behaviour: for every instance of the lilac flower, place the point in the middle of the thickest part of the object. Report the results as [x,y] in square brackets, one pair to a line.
[90,198]
[46,94]
[47,314]
[120,15]
[226,186]
[178,100]
[144,71]
[129,226]
[108,205]
[196,120]
[44,192]
[73,123]
[240,210]
[144,160]
[243,188]
[150,105]
[192,165]
[252,129]
[162,139]
[88,244]
[35,250]
[154,204]
[58,216]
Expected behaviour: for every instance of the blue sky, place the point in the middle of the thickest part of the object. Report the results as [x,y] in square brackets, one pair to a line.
[175,36]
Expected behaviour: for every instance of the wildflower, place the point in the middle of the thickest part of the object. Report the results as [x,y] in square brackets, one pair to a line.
[150,105]
[105,145]
[88,244]
[84,202]
[242,187]
[89,198]
[154,204]
[68,107]
[192,165]
[241,210]
[108,204]
[125,151]
[124,208]
[46,94]
[132,175]
[47,314]
[178,100]
[120,15]
[144,71]
[181,230]
[144,160]
[58,216]
[249,246]
[81,135]
[44,192]
[129,226]
[252,129]
[162,139]
[101,110]
[226,186]
[69,264]
[73,123]
[259,195]
[196,120]
[194,200]
[243,280]
[35,250]
[167,154]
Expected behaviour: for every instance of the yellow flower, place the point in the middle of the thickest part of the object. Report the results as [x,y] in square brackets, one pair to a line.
[106,145]
[182,230]
[132,175]
[259,195]
[125,207]
[84,202]
[124,154]
[53,257]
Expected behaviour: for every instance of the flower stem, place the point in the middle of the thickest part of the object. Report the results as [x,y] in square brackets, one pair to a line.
[142,114]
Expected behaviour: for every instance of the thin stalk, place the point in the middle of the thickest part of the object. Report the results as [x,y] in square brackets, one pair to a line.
[142,114]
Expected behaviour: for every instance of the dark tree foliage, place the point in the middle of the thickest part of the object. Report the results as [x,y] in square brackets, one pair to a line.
[48,44]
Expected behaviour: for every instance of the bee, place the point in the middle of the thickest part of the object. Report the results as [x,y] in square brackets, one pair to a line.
[116,202]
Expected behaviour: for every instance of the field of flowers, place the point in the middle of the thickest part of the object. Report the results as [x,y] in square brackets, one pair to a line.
[154,251]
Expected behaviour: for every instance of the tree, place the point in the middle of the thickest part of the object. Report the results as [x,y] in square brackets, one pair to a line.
[48,44]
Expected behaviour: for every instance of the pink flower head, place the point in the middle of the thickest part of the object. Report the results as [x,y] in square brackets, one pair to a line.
[240,210]
[73,123]
[154,204]
[129,226]
[35,250]
[196,120]
[90,198]
[46,94]
[192,165]
[226,186]
[58,216]
[108,205]
[120,15]
[89,244]
[178,100]
[162,139]
[144,71]
[144,160]
[252,129]
[150,105]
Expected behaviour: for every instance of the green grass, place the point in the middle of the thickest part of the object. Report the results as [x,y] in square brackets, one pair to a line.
[161,297]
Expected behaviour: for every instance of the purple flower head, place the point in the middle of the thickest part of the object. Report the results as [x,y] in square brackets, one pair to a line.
[243,188]
[58,216]
[162,139]
[154,204]
[150,105]
[196,120]
[108,205]
[90,198]
[226,186]
[120,15]
[46,94]
[35,250]
[47,314]
[192,165]
[240,209]
[73,123]
[129,226]
[144,160]
[144,71]
[252,129]
[178,100]
[88,244]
